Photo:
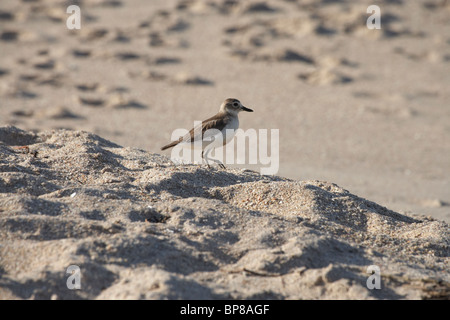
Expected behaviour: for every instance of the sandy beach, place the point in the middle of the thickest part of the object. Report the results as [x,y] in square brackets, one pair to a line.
[364,125]
[139,227]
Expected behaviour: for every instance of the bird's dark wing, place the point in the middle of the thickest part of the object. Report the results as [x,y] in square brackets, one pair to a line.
[217,122]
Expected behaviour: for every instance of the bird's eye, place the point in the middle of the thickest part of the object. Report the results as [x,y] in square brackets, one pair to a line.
[235,104]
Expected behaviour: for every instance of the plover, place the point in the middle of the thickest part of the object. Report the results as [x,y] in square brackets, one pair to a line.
[214,132]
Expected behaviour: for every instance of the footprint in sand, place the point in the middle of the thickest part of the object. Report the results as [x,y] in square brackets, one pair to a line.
[3,72]
[94,34]
[55,15]
[165,28]
[284,55]
[6,16]
[54,79]
[42,52]
[167,22]
[122,37]
[324,76]
[423,55]
[156,40]
[288,55]
[30,77]
[91,101]
[48,64]
[178,25]
[9,35]
[81,53]
[258,7]
[126,56]
[436,5]
[166,60]
[110,4]
[225,7]
[119,101]
[23,113]
[187,79]
[249,39]
[86,87]
[23,93]
[57,113]
[147,74]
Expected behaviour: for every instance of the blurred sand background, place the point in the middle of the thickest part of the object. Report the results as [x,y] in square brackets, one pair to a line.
[366,109]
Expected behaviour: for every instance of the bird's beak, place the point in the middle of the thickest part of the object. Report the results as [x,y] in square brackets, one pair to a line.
[247,109]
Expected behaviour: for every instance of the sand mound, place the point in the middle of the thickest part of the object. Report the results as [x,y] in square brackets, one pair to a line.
[140,227]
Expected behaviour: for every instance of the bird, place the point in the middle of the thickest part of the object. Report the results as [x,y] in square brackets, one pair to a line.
[225,123]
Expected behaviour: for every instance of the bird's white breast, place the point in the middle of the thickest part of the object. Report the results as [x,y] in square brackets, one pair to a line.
[224,136]
[230,129]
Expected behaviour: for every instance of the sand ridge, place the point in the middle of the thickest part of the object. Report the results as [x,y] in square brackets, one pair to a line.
[139,227]
[367,109]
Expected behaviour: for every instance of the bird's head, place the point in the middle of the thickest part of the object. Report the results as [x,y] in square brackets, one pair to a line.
[233,106]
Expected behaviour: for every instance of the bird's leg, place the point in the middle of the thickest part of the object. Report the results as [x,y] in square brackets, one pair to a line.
[221,165]
[205,158]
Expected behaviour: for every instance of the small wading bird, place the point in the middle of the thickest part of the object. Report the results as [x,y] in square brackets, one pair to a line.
[214,132]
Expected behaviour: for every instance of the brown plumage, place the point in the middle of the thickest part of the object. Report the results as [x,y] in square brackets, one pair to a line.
[229,108]
[213,132]
[217,122]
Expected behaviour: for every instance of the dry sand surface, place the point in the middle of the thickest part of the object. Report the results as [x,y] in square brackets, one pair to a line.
[368,110]
[140,227]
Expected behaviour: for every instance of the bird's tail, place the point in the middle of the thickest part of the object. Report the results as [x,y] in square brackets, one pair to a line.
[170,145]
